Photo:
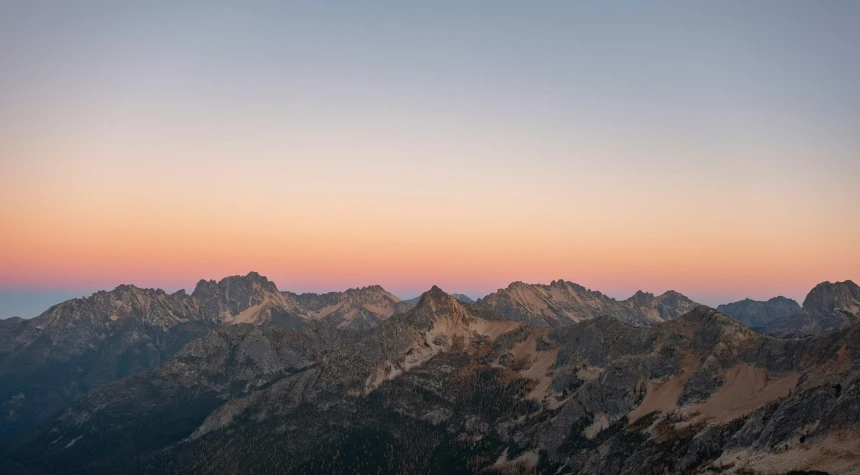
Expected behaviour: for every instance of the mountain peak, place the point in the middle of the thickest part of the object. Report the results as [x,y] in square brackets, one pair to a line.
[562,303]
[253,277]
[515,284]
[437,301]
[435,294]
[250,298]
[250,279]
[642,296]
[127,288]
[759,315]
[828,297]
[358,308]
[368,289]
[781,299]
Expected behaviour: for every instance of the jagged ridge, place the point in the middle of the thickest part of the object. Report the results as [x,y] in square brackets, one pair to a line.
[828,307]
[562,303]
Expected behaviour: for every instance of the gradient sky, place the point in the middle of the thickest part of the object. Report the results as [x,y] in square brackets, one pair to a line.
[712,148]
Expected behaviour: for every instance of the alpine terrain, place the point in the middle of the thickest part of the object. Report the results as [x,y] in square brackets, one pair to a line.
[449,387]
[828,307]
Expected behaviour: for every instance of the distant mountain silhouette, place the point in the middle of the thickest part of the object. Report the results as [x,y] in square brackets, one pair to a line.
[757,314]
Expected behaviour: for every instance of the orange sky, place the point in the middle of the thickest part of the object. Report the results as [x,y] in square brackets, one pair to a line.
[83,223]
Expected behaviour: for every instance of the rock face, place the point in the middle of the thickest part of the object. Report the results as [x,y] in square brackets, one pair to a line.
[831,306]
[354,309]
[9,330]
[563,303]
[838,297]
[450,387]
[47,361]
[254,299]
[757,314]
[248,299]
[827,308]
[84,343]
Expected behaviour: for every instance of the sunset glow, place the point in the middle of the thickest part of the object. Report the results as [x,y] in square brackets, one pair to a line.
[384,154]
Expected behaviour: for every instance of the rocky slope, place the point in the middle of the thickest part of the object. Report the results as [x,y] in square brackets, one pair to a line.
[254,299]
[354,309]
[827,308]
[47,361]
[563,303]
[81,344]
[450,387]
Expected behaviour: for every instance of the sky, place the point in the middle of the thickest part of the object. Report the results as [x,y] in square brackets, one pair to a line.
[710,148]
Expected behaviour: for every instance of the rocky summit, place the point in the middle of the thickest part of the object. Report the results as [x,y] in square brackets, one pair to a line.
[355,309]
[828,307]
[563,303]
[247,299]
[757,314]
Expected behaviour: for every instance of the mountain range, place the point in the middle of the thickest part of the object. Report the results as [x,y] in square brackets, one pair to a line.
[563,303]
[242,377]
[827,307]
